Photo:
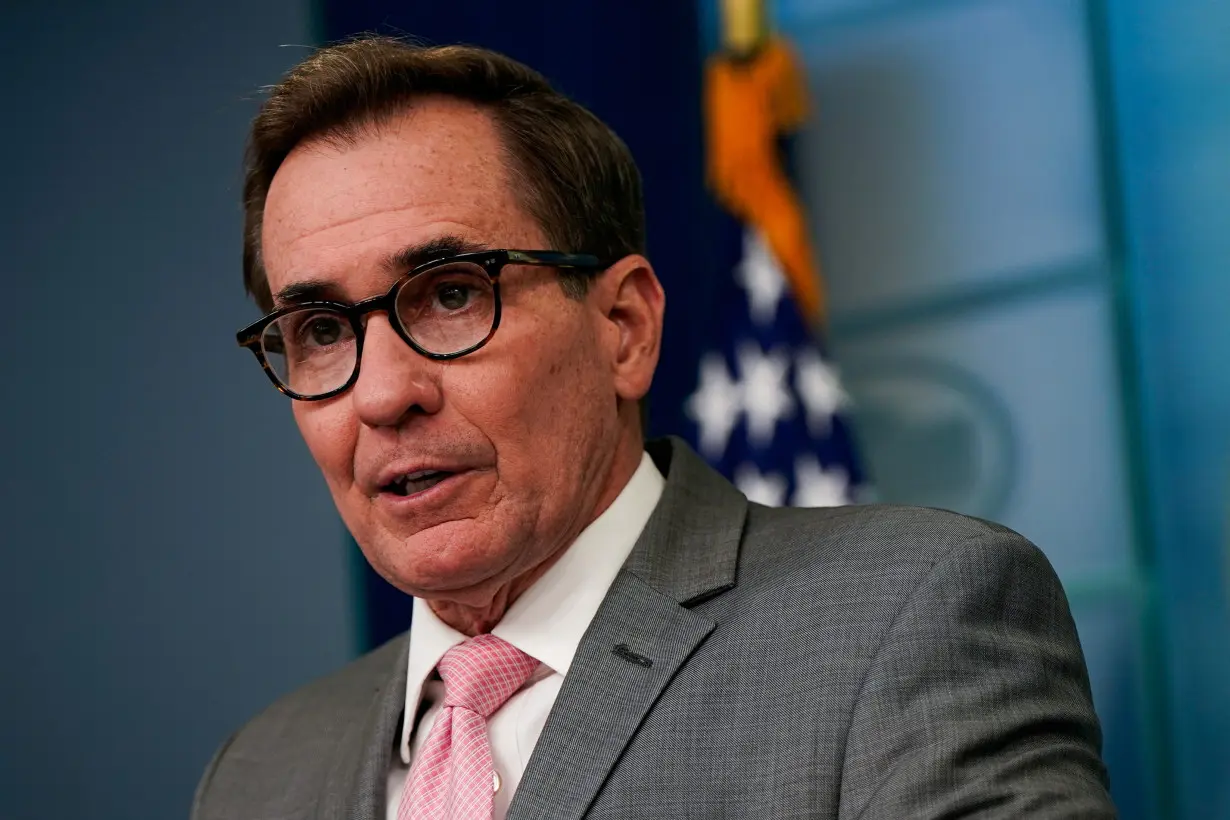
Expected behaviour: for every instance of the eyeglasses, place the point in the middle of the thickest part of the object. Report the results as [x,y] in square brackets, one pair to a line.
[443,309]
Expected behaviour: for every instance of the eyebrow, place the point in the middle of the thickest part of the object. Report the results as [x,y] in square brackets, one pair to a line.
[309,290]
[411,256]
[396,264]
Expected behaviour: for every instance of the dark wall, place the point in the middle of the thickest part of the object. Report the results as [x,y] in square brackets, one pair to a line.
[171,559]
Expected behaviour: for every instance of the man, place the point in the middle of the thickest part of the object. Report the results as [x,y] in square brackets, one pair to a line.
[451,255]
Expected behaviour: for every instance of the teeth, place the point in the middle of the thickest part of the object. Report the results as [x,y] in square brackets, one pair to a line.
[419,481]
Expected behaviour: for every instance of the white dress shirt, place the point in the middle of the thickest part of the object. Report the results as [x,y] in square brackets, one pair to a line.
[547,622]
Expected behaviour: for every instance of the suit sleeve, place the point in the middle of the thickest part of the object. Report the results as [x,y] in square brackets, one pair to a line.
[202,790]
[977,703]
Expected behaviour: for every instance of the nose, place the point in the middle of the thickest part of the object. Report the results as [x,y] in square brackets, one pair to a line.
[394,381]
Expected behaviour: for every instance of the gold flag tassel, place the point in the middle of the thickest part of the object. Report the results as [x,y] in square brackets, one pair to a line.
[755,93]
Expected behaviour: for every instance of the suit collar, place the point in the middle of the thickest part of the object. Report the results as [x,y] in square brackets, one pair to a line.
[689,550]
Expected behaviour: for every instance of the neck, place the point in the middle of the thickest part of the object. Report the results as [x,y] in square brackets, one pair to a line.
[472,620]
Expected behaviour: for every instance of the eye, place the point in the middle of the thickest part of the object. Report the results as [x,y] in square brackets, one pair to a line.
[321,330]
[454,295]
[458,295]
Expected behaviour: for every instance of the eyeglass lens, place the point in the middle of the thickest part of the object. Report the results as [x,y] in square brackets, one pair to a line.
[445,310]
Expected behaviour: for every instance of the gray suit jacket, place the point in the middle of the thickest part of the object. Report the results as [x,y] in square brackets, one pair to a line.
[859,662]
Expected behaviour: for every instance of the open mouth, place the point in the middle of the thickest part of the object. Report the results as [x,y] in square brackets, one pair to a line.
[414,483]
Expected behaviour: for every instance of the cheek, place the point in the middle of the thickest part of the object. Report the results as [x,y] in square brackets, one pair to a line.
[328,430]
[543,398]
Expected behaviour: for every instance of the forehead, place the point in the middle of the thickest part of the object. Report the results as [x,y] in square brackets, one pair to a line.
[338,208]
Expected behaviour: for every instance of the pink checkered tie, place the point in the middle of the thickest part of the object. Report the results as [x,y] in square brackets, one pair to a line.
[453,776]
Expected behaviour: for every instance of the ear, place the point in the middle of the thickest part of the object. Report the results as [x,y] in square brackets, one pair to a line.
[632,303]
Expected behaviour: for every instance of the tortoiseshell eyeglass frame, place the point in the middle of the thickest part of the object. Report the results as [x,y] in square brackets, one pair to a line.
[492,261]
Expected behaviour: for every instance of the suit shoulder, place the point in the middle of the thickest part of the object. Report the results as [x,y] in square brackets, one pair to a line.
[288,747]
[872,526]
[320,711]
[878,539]
[844,575]
[356,682]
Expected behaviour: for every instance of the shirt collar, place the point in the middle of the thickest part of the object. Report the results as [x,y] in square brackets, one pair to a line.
[549,619]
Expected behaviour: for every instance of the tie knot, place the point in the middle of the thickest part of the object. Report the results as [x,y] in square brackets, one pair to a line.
[483,672]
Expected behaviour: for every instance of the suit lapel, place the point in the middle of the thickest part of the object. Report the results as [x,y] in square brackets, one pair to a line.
[642,634]
[638,641]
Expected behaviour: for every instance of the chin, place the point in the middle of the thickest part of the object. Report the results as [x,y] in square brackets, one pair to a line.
[431,565]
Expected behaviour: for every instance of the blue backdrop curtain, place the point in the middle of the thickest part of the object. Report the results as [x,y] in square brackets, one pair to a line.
[637,65]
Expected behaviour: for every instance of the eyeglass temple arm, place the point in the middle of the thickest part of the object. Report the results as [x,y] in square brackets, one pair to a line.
[556,259]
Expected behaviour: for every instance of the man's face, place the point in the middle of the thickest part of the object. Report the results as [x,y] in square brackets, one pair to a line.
[525,428]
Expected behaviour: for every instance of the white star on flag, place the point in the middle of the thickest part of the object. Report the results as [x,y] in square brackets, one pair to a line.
[820,389]
[817,487]
[766,399]
[760,275]
[768,489]
[715,406]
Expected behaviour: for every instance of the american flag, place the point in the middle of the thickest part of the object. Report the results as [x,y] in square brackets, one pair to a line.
[767,408]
